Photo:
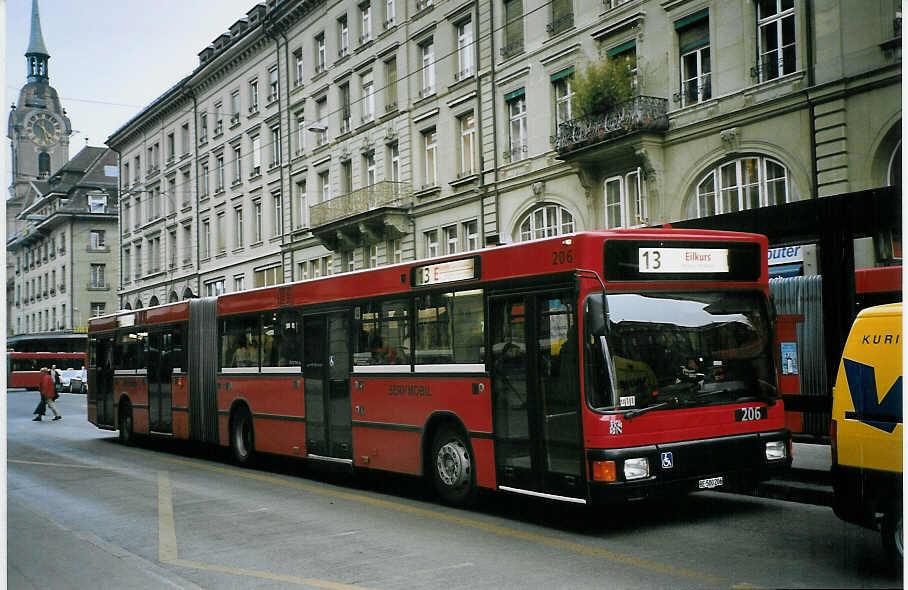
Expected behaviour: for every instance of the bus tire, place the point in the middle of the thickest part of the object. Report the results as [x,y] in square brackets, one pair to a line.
[125,425]
[893,535]
[242,437]
[453,467]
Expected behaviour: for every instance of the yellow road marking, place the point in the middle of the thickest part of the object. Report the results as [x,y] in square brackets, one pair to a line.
[77,466]
[467,522]
[167,548]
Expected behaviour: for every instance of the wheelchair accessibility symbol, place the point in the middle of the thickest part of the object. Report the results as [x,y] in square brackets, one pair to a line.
[667,460]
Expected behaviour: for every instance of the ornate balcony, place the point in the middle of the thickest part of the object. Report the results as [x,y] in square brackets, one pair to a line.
[375,212]
[641,113]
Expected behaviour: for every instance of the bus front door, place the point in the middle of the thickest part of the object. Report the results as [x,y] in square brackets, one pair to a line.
[163,349]
[536,394]
[329,426]
[103,382]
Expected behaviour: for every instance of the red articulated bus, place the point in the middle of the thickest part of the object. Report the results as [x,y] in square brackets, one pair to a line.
[583,368]
[23,369]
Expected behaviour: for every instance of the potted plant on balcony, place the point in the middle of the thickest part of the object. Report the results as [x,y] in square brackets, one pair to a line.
[598,88]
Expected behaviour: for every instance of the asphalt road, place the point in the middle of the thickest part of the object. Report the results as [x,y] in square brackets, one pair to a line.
[85,512]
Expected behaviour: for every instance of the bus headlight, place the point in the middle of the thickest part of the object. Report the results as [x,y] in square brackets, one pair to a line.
[636,468]
[775,450]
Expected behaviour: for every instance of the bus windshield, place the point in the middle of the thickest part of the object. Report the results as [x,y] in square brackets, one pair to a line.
[686,349]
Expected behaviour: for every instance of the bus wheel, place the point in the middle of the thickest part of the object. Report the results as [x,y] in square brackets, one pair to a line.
[893,536]
[126,434]
[452,467]
[242,437]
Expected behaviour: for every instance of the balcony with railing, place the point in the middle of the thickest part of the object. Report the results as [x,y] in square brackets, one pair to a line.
[378,210]
[640,114]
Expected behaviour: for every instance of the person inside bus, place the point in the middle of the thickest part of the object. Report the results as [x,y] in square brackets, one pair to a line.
[48,394]
[247,356]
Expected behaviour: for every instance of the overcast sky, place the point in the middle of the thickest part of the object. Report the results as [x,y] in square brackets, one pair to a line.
[111,58]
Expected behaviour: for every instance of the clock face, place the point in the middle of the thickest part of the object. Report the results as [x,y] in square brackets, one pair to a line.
[44,128]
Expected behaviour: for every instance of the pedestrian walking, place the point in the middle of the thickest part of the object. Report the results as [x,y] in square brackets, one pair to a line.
[48,395]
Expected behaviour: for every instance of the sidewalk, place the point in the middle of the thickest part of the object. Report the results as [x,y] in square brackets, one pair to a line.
[809,480]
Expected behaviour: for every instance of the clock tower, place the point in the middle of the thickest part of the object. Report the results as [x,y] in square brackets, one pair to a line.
[38,127]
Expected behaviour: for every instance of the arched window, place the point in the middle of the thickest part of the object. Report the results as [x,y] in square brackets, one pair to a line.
[153,301]
[187,293]
[127,306]
[546,221]
[743,183]
[173,297]
[894,174]
[43,164]
[138,304]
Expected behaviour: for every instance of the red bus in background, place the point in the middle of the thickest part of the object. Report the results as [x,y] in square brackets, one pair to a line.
[23,369]
[583,368]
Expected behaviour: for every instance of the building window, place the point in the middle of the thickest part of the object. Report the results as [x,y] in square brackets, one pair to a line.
[365,10]
[369,169]
[218,121]
[347,261]
[390,14]
[391,84]
[97,203]
[97,309]
[203,181]
[513,29]
[172,246]
[427,71]
[370,256]
[206,240]
[324,186]
[470,236]
[97,239]
[300,133]
[238,234]
[745,183]
[450,235]
[343,33]
[319,53]
[321,130]
[298,70]
[464,49]
[693,43]
[273,85]
[562,16]
[625,200]
[275,147]
[219,174]
[431,166]
[214,288]
[187,244]
[235,107]
[344,94]
[97,276]
[139,272]
[346,170]
[239,283]
[203,131]
[467,124]
[277,221]
[253,96]
[394,251]
[368,97]
[561,84]
[394,163]
[431,238]
[302,207]
[222,233]
[257,221]
[517,129]
[237,164]
[256,157]
[776,23]
[546,221]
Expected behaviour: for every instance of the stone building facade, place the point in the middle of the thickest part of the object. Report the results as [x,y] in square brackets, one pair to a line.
[61,219]
[318,137]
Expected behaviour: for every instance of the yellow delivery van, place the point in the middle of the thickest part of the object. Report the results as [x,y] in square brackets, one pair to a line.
[866,428]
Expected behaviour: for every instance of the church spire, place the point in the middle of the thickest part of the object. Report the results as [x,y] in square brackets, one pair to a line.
[36,55]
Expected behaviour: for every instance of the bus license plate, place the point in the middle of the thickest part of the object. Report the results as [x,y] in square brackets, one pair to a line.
[709,483]
[748,414]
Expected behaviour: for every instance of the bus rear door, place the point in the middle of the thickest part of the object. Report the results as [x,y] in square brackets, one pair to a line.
[329,421]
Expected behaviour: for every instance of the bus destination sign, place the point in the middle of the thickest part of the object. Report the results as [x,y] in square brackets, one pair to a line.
[445,272]
[683,260]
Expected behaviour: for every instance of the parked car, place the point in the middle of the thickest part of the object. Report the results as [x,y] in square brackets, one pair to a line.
[74,380]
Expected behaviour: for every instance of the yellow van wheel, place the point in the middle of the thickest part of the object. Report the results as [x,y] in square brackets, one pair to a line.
[893,535]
